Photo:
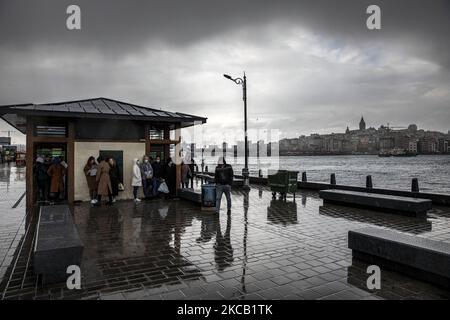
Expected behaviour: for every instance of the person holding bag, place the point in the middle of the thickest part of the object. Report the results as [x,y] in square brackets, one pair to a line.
[157,175]
[163,188]
[170,177]
[147,177]
[114,175]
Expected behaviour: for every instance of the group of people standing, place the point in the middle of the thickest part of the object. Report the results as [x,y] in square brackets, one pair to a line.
[103,179]
[157,178]
[50,178]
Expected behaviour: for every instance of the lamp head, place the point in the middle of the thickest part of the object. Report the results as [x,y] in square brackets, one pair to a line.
[228,77]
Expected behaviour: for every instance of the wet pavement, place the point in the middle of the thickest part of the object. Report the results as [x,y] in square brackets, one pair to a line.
[12,220]
[170,249]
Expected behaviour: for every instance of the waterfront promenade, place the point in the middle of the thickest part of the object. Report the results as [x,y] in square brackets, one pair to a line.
[170,249]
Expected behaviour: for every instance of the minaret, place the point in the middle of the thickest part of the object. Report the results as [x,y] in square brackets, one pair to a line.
[362,124]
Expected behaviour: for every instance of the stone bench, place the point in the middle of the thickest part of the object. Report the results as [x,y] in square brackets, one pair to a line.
[237,182]
[57,245]
[205,176]
[195,197]
[417,257]
[190,195]
[401,205]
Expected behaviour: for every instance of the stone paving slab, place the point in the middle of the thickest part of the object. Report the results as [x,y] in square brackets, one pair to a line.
[170,249]
[12,220]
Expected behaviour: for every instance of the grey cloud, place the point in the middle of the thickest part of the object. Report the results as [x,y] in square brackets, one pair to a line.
[126,25]
[171,54]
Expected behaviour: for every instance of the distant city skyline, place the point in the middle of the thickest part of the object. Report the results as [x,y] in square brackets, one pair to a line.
[18,138]
[356,127]
[385,140]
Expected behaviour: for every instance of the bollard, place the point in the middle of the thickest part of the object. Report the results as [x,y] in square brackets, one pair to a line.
[260,173]
[304,178]
[415,185]
[333,179]
[369,182]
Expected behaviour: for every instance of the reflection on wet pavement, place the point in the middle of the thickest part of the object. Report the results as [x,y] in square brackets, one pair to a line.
[12,188]
[266,249]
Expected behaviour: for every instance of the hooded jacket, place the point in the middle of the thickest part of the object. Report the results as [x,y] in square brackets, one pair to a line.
[136,178]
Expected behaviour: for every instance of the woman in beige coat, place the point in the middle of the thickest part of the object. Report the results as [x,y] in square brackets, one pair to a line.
[103,181]
[56,173]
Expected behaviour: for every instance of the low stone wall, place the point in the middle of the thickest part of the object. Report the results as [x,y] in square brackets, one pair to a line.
[436,198]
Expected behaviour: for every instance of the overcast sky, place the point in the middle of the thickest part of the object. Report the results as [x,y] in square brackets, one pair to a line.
[312,66]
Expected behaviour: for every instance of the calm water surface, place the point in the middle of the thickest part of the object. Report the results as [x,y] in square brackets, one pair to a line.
[433,171]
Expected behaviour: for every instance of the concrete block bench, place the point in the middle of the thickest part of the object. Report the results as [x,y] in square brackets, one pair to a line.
[205,176]
[401,205]
[190,195]
[209,177]
[195,197]
[237,182]
[417,257]
[57,245]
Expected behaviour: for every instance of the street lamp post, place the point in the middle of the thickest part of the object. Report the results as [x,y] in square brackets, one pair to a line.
[243,82]
[203,159]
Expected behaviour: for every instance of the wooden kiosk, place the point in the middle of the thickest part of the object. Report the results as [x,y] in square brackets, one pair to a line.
[75,130]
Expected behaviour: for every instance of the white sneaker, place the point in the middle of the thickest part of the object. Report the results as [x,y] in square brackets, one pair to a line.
[114,200]
[94,201]
[137,200]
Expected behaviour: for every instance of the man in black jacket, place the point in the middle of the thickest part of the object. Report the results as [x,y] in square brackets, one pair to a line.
[223,177]
[158,174]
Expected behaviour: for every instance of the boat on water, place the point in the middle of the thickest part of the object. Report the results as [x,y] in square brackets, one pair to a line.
[396,152]
[405,154]
[385,153]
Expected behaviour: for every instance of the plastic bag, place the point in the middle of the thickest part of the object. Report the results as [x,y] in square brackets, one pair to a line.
[93,172]
[163,188]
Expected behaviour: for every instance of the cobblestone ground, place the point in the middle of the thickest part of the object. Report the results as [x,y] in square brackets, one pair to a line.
[266,249]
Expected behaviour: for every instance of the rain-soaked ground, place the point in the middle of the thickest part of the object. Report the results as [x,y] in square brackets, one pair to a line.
[170,249]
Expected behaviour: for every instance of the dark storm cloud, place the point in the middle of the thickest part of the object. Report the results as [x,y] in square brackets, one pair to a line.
[313,65]
[126,25]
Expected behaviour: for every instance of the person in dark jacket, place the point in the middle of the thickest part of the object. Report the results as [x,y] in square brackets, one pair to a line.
[90,171]
[171,176]
[157,175]
[41,177]
[114,176]
[147,177]
[192,166]
[223,178]
[48,163]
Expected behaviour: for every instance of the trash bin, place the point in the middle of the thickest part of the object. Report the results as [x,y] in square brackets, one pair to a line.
[283,181]
[208,195]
